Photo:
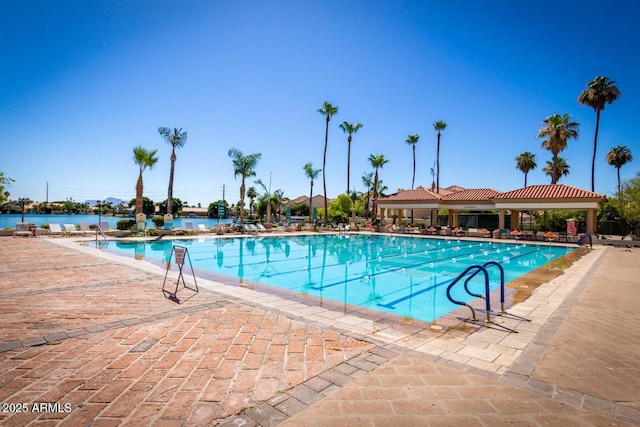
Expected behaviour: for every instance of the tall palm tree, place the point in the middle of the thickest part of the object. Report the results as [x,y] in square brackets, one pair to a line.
[144,159]
[439,126]
[176,139]
[557,130]
[558,166]
[526,162]
[600,91]
[377,161]
[412,140]
[245,167]
[618,157]
[367,181]
[350,129]
[312,174]
[327,110]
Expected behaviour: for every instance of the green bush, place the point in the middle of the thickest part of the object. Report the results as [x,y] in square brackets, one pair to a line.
[158,221]
[126,224]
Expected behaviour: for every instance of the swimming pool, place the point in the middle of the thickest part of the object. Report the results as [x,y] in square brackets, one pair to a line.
[406,276]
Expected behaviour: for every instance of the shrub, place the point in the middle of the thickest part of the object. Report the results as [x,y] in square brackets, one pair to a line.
[158,221]
[126,224]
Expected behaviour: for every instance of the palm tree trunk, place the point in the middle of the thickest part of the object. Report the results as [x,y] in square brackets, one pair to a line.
[375,196]
[242,191]
[139,189]
[170,192]
[310,202]
[413,180]
[595,146]
[438,165]
[619,189]
[324,178]
[348,162]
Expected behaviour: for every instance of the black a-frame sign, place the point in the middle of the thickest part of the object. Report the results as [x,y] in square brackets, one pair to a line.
[180,254]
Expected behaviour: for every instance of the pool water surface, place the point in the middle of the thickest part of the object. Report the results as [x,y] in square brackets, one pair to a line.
[403,275]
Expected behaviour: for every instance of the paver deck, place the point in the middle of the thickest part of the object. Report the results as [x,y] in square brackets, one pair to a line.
[92,331]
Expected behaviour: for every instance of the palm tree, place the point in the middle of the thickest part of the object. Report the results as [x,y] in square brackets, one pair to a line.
[558,129]
[600,91]
[367,181]
[268,197]
[439,126]
[350,129]
[251,194]
[312,174]
[412,140]
[245,167]
[526,162]
[327,110]
[558,166]
[618,157]
[377,161]
[176,139]
[144,159]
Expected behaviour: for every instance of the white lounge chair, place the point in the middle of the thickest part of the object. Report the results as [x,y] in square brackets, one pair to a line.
[55,229]
[71,229]
[22,229]
[188,225]
[84,227]
[203,228]
[262,228]
[250,228]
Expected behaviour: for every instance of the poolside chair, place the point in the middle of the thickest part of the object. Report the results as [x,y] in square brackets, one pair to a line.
[250,228]
[22,229]
[55,229]
[71,229]
[188,225]
[84,227]
[202,228]
[262,228]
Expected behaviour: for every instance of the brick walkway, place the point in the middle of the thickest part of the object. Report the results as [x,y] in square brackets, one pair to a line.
[98,335]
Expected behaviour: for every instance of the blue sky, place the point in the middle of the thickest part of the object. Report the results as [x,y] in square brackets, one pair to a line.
[83,82]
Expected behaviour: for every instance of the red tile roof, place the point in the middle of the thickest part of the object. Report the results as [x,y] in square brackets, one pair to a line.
[551,191]
[417,194]
[474,194]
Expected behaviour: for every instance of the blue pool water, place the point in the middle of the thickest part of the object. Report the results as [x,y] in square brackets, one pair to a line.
[401,275]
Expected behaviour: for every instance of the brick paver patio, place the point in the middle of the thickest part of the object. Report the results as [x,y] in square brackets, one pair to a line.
[98,335]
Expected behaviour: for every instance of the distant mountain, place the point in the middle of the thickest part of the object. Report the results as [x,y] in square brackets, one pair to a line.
[111,200]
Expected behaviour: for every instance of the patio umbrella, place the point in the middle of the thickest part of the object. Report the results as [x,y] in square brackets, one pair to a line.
[432,230]
[549,235]
[516,233]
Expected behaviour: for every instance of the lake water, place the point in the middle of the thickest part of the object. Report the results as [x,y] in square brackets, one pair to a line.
[10,220]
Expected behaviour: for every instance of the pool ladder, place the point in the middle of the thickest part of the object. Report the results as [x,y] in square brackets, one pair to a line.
[104,237]
[471,272]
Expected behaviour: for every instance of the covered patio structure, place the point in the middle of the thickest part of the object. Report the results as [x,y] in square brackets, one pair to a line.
[455,199]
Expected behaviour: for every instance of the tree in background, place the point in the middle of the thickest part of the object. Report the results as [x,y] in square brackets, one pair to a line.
[350,129]
[245,166]
[557,130]
[148,207]
[438,126]
[327,110]
[367,181]
[600,91]
[526,162]
[144,159]
[412,140]
[176,138]
[377,161]
[4,194]
[251,194]
[312,174]
[559,167]
[618,157]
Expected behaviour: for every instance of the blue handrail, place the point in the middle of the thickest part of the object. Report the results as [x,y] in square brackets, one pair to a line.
[477,268]
[485,265]
[579,242]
